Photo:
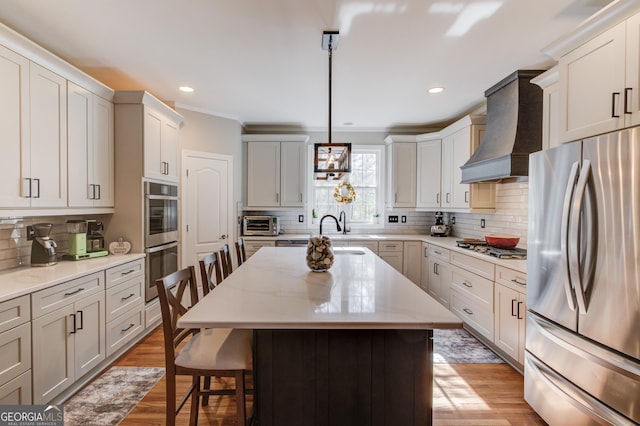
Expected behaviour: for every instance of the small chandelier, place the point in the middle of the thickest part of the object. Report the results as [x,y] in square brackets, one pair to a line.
[331,161]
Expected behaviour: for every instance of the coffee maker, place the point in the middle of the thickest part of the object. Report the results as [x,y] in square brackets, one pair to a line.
[43,248]
[77,230]
[95,239]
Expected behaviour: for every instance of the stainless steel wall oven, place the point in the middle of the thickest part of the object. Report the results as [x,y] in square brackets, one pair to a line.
[160,233]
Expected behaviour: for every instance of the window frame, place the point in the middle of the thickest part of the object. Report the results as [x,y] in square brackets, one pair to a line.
[381,162]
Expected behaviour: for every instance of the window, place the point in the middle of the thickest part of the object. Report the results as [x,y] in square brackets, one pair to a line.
[365,177]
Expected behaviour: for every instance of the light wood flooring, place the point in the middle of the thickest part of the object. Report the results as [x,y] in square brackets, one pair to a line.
[463,394]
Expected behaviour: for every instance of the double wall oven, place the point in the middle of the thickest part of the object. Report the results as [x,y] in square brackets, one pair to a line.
[160,233]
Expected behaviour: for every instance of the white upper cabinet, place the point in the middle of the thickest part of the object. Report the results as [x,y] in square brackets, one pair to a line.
[160,146]
[148,130]
[599,74]
[47,180]
[14,127]
[459,141]
[550,84]
[429,174]
[401,172]
[91,149]
[276,170]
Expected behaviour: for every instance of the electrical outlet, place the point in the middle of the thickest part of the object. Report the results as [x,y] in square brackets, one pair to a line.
[393,219]
[453,220]
[403,219]
[30,233]
[300,218]
[482,223]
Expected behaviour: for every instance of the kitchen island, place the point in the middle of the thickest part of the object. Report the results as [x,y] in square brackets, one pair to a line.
[348,346]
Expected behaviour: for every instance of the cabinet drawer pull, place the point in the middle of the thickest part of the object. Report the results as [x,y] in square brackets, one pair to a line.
[128,272]
[466,196]
[74,292]
[128,297]
[627,100]
[37,181]
[29,186]
[515,280]
[81,315]
[92,191]
[513,307]
[468,311]
[99,197]
[124,330]
[519,304]
[613,104]
[466,284]
[74,324]
[437,252]
[437,198]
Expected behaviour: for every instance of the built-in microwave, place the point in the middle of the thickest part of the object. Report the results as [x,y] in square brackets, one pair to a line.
[161,214]
[260,225]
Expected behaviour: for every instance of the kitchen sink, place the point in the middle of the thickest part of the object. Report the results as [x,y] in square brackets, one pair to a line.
[347,250]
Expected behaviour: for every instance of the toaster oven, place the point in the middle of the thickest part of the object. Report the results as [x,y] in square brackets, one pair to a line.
[260,225]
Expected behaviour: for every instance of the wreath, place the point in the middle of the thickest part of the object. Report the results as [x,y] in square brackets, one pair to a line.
[344,193]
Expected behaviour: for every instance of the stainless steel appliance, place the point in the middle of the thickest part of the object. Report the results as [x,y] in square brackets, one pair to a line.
[260,225]
[582,361]
[95,236]
[161,213]
[296,242]
[160,261]
[439,229]
[43,248]
[160,233]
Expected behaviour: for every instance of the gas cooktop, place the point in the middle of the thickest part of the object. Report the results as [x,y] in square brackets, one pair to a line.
[482,247]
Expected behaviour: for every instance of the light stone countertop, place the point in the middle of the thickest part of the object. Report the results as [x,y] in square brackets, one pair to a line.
[445,242]
[275,289]
[28,279]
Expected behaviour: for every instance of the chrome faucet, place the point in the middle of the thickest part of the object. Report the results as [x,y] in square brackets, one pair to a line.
[332,217]
[343,218]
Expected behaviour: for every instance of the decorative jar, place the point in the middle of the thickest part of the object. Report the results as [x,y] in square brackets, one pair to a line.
[319,254]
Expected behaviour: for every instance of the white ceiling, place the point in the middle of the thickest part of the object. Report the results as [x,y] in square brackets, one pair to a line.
[261,61]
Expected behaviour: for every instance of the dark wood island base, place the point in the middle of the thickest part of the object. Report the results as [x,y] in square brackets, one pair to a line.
[343,377]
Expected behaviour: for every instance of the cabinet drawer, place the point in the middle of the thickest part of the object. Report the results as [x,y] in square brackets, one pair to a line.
[15,352]
[472,286]
[17,391]
[252,246]
[371,245]
[439,253]
[15,312]
[124,272]
[390,246]
[52,298]
[472,264]
[123,329]
[152,314]
[511,278]
[472,313]
[124,297]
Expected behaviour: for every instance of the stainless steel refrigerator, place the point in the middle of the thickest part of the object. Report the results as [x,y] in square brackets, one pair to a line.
[582,362]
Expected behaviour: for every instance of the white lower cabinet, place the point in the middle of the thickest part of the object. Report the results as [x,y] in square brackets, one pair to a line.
[371,245]
[125,304]
[424,273]
[510,310]
[68,329]
[411,260]
[439,274]
[252,246]
[472,299]
[391,252]
[15,351]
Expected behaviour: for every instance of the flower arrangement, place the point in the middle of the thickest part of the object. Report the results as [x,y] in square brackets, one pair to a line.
[344,193]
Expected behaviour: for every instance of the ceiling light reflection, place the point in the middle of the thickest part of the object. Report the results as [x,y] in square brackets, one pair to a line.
[467,14]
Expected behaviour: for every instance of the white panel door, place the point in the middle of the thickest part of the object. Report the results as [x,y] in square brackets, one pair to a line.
[292,180]
[14,128]
[429,173]
[207,205]
[90,340]
[263,174]
[169,150]
[461,153]
[48,105]
[152,144]
[103,152]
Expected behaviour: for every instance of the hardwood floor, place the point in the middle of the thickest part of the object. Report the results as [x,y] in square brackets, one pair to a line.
[463,394]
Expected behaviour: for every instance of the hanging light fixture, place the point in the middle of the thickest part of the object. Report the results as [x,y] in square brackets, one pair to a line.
[331,161]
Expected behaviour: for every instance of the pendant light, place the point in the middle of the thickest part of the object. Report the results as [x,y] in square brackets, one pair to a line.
[331,161]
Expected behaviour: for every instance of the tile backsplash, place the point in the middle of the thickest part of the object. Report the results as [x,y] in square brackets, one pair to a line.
[15,249]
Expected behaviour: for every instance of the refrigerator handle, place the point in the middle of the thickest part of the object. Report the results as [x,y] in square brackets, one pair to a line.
[564,236]
[574,258]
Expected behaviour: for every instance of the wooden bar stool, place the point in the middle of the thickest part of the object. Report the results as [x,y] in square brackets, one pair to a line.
[225,261]
[241,253]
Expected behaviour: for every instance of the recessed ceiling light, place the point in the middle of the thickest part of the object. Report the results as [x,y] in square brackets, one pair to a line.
[436,89]
[186,89]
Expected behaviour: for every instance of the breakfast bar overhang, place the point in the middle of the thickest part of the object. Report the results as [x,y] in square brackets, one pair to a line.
[352,345]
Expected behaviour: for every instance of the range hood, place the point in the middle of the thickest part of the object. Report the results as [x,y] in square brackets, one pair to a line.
[514,130]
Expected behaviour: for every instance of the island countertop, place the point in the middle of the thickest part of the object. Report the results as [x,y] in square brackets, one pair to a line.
[275,289]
